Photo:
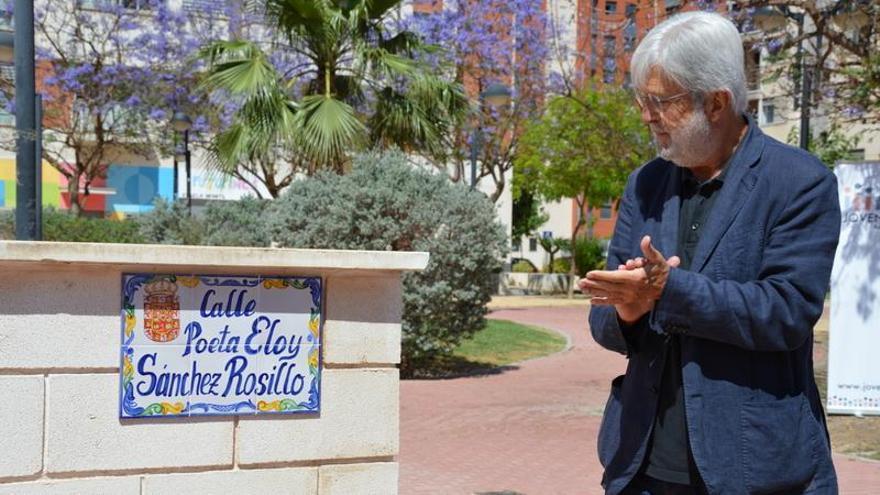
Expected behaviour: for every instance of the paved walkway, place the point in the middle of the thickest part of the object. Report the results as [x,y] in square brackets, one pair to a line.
[532,429]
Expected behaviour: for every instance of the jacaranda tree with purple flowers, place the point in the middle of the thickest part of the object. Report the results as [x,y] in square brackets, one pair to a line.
[838,42]
[491,41]
[111,75]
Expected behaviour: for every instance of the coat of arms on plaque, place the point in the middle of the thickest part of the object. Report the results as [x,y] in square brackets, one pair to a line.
[161,310]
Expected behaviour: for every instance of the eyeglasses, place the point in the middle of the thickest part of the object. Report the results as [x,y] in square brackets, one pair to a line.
[656,104]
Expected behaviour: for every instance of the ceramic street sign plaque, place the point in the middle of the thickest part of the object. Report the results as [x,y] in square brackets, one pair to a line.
[206,345]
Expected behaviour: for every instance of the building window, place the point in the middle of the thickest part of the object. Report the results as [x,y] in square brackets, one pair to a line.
[203,7]
[7,75]
[605,211]
[630,10]
[128,4]
[672,5]
[610,45]
[610,7]
[533,244]
[753,108]
[769,112]
[515,245]
[630,33]
[6,22]
[609,69]
[753,69]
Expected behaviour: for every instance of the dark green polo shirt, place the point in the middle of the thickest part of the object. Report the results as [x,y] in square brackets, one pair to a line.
[668,458]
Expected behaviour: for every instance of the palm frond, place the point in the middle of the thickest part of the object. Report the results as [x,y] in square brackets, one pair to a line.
[296,14]
[379,8]
[387,64]
[238,67]
[328,128]
[401,120]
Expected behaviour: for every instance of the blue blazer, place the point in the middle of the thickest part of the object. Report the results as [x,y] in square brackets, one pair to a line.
[744,313]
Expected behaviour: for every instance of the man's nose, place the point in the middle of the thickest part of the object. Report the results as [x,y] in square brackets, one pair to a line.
[648,116]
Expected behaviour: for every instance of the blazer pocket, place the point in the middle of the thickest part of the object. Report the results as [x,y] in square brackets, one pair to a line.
[779,445]
[609,431]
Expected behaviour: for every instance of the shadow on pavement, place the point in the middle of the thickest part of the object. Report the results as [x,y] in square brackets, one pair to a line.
[450,367]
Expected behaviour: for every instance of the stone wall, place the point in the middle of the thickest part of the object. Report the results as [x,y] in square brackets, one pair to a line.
[59,379]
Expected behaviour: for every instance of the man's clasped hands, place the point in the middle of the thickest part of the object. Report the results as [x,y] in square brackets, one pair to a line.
[635,286]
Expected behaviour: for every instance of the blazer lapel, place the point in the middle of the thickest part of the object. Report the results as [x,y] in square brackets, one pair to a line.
[740,180]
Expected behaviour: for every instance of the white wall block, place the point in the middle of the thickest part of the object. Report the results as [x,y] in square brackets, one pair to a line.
[60,314]
[293,481]
[128,485]
[85,433]
[349,342]
[359,418]
[359,479]
[77,311]
[21,425]
[375,299]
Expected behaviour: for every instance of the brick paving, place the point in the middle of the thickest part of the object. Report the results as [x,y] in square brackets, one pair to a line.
[531,429]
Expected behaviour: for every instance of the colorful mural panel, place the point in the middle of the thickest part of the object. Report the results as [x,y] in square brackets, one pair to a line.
[135,188]
[51,184]
[127,189]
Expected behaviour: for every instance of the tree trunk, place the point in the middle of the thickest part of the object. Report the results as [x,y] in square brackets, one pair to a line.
[572,270]
[73,192]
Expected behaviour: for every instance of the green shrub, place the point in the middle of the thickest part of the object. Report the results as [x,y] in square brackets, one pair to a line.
[7,224]
[223,223]
[560,265]
[236,223]
[522,266]
[387,204]
[589,254]
[170,223]
[62,226]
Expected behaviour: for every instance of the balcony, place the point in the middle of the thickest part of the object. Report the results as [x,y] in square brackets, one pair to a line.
[203,6]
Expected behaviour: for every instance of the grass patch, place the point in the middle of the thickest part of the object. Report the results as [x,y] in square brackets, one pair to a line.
[504,342]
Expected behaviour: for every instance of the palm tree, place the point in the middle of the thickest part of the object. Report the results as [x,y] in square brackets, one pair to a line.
[361,81]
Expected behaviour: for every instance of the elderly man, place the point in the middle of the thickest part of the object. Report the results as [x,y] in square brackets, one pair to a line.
[717,273]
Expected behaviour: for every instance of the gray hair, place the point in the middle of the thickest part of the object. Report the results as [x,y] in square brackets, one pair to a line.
[700,51]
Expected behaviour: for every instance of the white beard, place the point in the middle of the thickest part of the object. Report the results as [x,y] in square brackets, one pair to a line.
[690,143]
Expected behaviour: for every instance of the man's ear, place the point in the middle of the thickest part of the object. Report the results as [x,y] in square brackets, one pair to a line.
[717,105]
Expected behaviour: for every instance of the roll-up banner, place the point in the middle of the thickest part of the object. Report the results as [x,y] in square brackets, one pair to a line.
[854,333]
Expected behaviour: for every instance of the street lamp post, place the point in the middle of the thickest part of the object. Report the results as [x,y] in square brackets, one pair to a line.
[26,159]
[775,18]
[182,123]
[496,95]
[174,187]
